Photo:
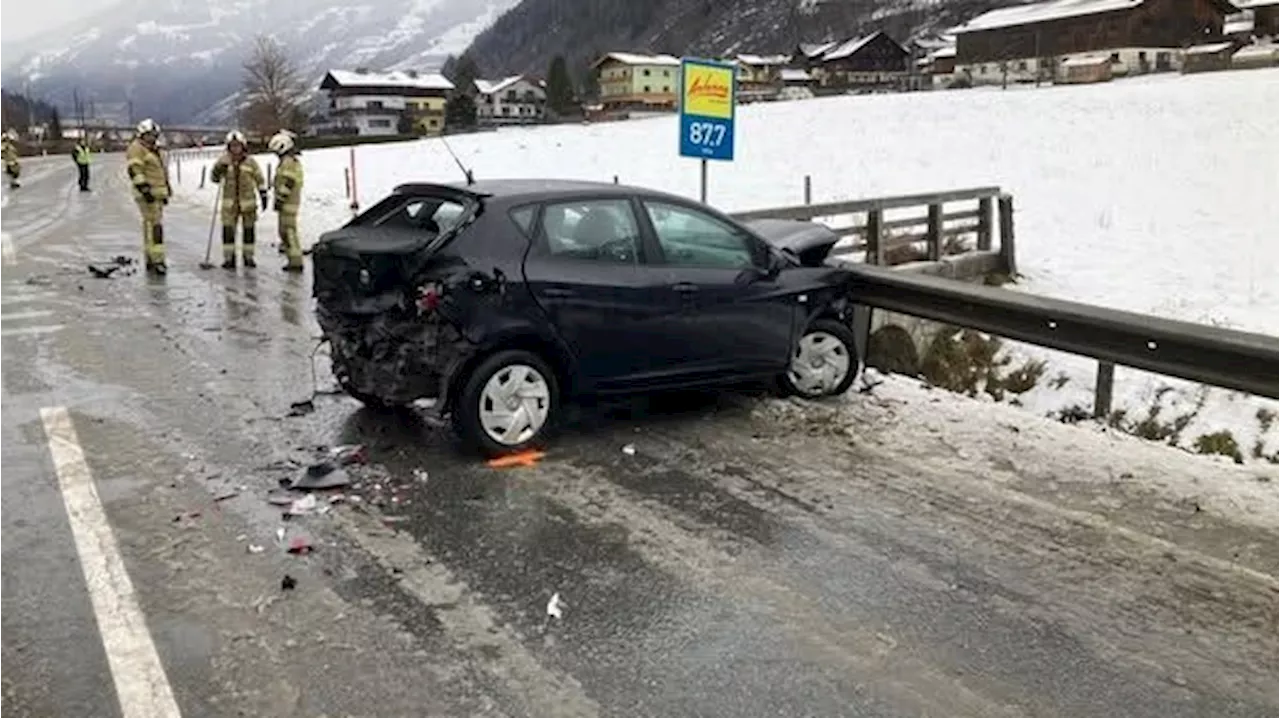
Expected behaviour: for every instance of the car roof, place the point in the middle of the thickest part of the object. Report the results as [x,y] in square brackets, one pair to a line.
[517,190]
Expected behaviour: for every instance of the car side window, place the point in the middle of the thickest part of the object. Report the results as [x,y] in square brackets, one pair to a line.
[690,238]
[602,230]
[523,217]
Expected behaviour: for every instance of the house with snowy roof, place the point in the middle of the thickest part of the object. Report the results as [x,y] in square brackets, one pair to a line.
[635,81]
[866,61]
[1256,19]
[514,100]
[385,103]
[1029,42]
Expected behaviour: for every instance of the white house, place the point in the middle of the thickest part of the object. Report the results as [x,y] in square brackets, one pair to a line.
[375,103]
[511,100]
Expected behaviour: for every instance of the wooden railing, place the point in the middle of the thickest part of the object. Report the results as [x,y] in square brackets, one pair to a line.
[937,228]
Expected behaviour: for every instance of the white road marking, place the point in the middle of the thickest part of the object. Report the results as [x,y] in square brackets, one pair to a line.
[20,331]
[10,255]
[33,314]
[142,688]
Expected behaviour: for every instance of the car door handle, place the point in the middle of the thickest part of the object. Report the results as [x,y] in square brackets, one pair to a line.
[557,292]
[685,288]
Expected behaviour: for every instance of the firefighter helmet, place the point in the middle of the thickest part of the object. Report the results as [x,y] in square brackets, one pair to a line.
[148,127]
[281,143]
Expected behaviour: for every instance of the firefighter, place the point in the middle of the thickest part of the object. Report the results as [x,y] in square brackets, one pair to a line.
[9,148]
[82,155]
[243,187]
[150,179]
[288,197]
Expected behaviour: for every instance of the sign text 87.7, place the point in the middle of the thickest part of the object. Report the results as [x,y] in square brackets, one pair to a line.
[707,134]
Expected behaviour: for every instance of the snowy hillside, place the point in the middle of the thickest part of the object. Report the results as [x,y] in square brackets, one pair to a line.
[178,58]
[1155,195]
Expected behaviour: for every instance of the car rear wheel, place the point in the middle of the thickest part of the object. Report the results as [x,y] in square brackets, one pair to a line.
[824,361]
[507,404]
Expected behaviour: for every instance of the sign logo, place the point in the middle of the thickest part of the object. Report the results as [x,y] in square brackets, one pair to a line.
[707,103]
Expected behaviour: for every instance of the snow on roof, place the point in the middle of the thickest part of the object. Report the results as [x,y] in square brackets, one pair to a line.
[1257,50]
[789,74]
[1237,26]
[1208,49]
[944,52]
[395,78]
[764,59]
[848,47]
[488,88]
[632,58]
[1087,61]
[814,49]
[1040,12]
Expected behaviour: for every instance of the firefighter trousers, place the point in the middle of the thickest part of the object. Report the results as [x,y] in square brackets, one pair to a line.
[152,231]
[288,224]
[247,220]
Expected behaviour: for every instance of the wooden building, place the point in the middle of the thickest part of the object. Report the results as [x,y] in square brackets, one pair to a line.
[869,61]
[1209,57]
[1024,42]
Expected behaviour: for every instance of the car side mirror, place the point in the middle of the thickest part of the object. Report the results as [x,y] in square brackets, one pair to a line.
[775,263]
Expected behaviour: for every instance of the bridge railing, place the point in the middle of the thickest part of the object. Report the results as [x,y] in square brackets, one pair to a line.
[1226,358]
[907,228]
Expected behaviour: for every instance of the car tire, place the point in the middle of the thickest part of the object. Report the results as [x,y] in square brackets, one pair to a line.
[831,343]
[479,419]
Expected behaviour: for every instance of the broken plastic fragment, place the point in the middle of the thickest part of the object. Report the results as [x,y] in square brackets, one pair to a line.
[255,548]
[288,583]
[281,498]
[524,458]
[324,475]
[226,495]
[300,545]
[303,506]
[555,607]
[349,454]
[629,450]
[421,475]
[302,408]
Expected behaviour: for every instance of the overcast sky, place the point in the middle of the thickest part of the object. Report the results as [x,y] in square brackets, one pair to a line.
[23,18]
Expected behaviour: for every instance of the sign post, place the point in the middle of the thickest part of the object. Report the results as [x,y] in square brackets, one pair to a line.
[708,105]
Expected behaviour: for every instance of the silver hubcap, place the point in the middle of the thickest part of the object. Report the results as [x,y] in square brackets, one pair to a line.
[819,364]
[514,404]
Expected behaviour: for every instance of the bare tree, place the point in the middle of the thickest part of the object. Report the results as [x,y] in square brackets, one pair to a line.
[273,90]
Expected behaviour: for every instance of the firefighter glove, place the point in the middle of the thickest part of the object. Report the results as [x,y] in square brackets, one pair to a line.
[145,191]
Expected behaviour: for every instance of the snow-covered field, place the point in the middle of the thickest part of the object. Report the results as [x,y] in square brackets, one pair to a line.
[1155,195]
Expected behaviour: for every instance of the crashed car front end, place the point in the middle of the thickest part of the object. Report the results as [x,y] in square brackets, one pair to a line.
[382,308]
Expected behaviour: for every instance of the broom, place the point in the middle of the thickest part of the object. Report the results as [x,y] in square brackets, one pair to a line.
[213,224]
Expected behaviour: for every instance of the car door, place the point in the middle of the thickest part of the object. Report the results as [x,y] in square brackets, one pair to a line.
[742,322]
[587,270]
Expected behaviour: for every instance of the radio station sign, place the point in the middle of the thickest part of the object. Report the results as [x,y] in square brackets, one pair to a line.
[708,100]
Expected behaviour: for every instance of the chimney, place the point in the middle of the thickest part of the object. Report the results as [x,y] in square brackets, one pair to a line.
[362,71]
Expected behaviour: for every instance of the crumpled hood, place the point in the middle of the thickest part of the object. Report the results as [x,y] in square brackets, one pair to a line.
[810,241]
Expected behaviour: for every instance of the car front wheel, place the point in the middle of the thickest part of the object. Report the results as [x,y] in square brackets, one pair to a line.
[824,362]
[507,404]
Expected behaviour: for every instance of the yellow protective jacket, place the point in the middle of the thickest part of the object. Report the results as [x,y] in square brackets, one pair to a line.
[10,152]
[241,182]
[81,154]
[146,168]
[288,184]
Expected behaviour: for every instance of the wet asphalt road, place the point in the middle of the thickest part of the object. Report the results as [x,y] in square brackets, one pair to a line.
[744,561]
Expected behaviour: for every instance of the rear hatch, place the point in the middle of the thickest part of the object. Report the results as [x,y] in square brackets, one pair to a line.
[373,262]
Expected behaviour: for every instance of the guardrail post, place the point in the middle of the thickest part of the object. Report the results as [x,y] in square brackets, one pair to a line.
[346,181]
[934,235]
[875,236]
[808,190]
[1007,251]
[1102,391]
[984,224]
[204,169]
[615,179]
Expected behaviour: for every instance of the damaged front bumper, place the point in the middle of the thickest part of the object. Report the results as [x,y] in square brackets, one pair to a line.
[395,357]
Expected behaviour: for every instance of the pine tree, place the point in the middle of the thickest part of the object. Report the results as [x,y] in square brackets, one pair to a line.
[460,111]
[560,94]
[55,125]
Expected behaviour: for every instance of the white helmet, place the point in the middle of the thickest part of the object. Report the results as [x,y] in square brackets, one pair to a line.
[11,135]
[148,127]
[281,143]
[236,136]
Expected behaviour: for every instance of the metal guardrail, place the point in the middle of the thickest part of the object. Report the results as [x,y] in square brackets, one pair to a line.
[1226,358]
[894,240]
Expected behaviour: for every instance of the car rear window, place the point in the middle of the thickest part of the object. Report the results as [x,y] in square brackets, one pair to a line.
[430,214]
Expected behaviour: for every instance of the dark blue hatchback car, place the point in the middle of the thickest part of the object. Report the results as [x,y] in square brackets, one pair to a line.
[504,299]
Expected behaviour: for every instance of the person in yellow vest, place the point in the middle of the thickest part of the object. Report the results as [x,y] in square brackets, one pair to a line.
[82,155]
[243,186]
[9,150]
[288,197]
[150,179]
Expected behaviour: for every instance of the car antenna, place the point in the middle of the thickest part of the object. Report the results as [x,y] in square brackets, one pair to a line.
[466,172]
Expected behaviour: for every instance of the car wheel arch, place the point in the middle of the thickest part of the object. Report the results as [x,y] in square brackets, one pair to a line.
[554,355]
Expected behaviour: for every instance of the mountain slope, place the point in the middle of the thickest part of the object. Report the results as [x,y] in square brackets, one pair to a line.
[179,60]
[528,36]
